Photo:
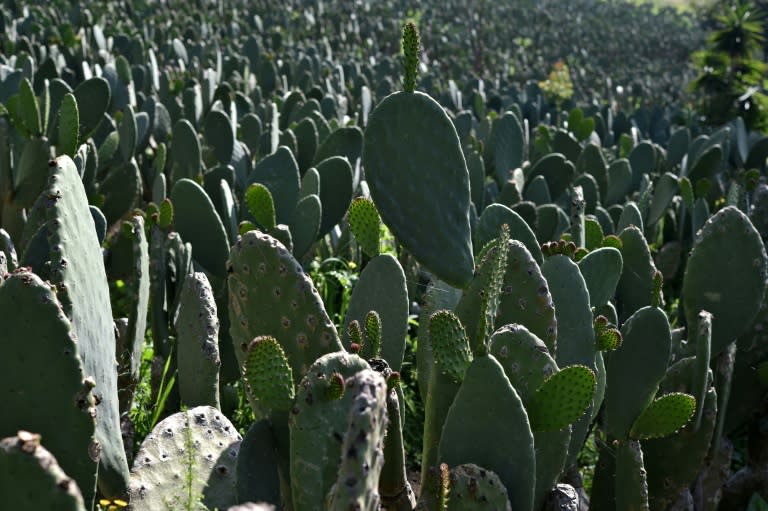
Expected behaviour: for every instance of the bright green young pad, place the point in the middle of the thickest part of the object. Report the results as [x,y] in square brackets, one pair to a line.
[472,488]
[419,181]
[77,271]
[39,344]
[32,479]
[664,416]
[364,222]
[69,125]
[188,458]
[488,410]
[268,375]
[450,346]
[728,240]
[260,205]
[271,295]
[562,399]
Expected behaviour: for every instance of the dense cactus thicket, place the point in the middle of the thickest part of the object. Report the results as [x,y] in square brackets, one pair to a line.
[377,255]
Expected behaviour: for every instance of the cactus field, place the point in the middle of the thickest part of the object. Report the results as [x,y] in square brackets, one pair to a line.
[387,255]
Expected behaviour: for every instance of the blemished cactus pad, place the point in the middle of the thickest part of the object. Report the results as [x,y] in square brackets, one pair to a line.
[188,457]
[664,416]
[362,449]
[268,375]
[32,479]
[83,291]
[473,488]
[262,271]
[419,182]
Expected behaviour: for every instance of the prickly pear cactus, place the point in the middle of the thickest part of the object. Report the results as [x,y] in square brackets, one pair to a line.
[475,488]
[418,177]
[32,479]
[40,344]
[317,423]
[268,375]
[197,327]
[727,240]
[271,295]
[362,450]
[188,458]
[81,281]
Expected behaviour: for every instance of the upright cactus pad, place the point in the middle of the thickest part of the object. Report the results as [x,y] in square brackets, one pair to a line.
[636,368]
[32,479]
[411,56]
[81,280]
[631,484]
[381,287]
[362,449]
[525,297]
[197,326]
[268,375]
[450,345]
[318,423]
[488,410]
[473,488]
[727,240]
[39,344]
[263,272]
[419,181]
[188,458]
[364,222]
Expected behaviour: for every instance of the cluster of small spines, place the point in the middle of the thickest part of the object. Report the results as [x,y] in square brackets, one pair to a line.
[450,345]
[356,342]
[411,55]
[607,337]
[268,374]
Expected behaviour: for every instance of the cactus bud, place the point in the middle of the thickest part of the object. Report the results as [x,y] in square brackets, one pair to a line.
[411,54]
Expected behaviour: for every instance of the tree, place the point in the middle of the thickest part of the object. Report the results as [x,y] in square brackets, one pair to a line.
[730,77]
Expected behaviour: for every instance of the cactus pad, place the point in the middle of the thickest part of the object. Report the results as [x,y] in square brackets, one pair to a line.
[271,295]
[419,181]
[362,449]
[450,345]
[187,458]
[268,374]
[664,416]
[32,479]
[562,399]
[364,222]
[474,488]
[727,240]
